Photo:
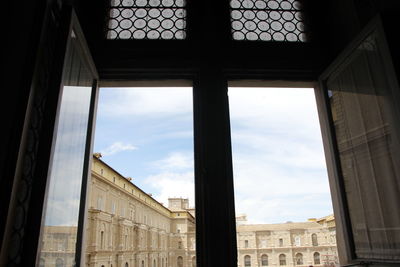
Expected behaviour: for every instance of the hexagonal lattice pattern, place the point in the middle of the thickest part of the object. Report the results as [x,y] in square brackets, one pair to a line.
[267,20]
[146,19]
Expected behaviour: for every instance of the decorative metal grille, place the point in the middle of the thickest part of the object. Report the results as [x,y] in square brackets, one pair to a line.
[267,20]
[146,19]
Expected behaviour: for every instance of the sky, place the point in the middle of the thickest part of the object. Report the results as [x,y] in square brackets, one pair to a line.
[279,166]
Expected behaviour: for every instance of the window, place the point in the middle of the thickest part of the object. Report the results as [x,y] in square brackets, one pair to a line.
[364,102]
[59,263]
[113,207]
[317,259]
[281,242]
[246,243]
[297,241]
[247,261]
[314,240]
[140,19]
[102,239]
[99,203]
[154,263]
[179,261]
[179,244]
[269,20]
[264,260]
[299,259]
[282,259]
[194,261]
[42,262]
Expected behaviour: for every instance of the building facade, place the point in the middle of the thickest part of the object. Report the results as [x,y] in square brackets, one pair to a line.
[311,243]
[128,227]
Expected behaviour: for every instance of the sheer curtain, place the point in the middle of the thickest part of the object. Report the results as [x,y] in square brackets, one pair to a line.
[364,100]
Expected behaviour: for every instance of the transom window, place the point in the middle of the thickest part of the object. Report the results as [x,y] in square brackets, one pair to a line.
[267,20]
[146,19]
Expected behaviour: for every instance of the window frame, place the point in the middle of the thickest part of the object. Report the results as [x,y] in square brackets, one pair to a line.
[219,84]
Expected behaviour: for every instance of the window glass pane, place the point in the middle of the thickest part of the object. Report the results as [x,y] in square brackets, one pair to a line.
[66,172]
[282,197]
[146,19]
[267,20]
[143,172]
[365,110]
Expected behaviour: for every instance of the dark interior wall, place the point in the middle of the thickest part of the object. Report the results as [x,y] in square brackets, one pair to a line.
[335,23]
[20,39]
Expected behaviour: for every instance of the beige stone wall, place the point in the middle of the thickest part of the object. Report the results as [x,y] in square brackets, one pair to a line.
[127,227]
[288,244]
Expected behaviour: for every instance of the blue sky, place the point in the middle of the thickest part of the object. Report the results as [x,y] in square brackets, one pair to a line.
[279,167]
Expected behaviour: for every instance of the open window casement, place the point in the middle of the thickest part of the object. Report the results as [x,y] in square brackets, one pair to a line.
[69,167]
[359,106]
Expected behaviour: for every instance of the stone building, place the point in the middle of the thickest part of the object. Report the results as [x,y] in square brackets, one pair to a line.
[128,227]
[287,244]
[58,246]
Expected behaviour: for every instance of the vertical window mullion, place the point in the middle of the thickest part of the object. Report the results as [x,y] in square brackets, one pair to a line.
[215,224]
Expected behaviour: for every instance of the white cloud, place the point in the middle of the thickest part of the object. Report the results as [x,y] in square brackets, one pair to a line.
[175,161]
[149,101]
[175,177]
[116,148]
[171,185]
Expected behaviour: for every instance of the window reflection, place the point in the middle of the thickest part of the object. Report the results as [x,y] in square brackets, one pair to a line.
[60,217]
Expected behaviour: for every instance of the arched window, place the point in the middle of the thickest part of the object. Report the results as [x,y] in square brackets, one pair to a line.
[314,239]
[264,260]
[247,261]
[142,263]
[126,264]
[246,243]
[59,263]
[41,262]
[194,261]
[282,259]
[317,259]
[179,261]
[154,263]
[299,259]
